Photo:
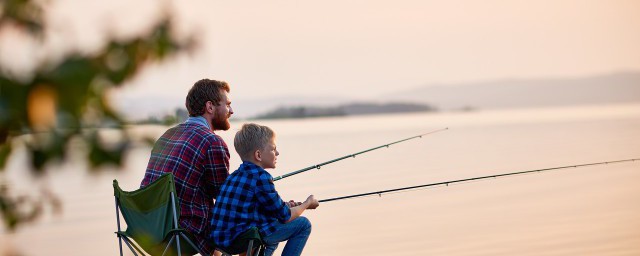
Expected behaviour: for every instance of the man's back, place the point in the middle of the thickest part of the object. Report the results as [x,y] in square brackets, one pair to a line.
[199,161]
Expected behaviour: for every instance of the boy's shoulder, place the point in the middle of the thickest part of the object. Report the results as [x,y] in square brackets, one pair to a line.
[251,171]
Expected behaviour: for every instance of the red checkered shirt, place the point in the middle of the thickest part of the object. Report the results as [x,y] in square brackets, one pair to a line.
[199,161]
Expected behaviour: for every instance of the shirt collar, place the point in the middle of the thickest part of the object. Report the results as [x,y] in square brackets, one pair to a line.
[250,164]
[251,167]
[198,120]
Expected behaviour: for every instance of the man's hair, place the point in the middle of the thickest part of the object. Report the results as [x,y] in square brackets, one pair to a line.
[203,91]
[252,137]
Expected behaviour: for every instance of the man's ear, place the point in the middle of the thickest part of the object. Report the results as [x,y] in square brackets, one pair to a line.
[209,107]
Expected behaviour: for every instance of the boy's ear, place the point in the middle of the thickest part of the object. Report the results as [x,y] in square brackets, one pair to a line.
[257,155]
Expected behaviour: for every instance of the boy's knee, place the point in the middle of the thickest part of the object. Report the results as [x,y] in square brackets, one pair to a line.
[305,223]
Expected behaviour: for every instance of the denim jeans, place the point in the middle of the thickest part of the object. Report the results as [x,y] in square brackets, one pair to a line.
[295,233]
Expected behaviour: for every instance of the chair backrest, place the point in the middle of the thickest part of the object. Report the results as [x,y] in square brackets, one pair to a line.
[149,212]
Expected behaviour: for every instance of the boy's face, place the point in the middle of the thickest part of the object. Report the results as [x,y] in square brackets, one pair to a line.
[269,155]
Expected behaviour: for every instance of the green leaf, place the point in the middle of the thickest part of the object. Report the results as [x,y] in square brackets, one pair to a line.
[5,151]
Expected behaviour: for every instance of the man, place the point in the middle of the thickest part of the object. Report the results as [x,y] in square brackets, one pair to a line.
[197,157]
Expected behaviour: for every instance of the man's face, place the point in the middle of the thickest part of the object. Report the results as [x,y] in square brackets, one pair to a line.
[222,113]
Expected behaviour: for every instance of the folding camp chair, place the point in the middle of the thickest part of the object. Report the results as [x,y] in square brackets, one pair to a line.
[152,219]
[246,241]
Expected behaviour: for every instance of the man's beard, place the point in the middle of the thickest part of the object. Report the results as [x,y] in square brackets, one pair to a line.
[221,123]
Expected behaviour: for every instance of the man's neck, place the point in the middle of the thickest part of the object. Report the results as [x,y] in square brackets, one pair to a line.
[201,120]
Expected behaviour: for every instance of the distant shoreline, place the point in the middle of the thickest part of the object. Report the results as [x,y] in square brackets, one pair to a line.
[351,109]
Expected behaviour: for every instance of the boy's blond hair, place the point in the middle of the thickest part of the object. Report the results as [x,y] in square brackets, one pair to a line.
[250,138]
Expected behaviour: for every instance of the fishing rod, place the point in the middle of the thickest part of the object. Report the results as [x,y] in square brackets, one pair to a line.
[317,166]
[446,183]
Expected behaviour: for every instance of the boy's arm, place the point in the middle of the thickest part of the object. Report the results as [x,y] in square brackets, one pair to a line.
[269,200]
[310,203]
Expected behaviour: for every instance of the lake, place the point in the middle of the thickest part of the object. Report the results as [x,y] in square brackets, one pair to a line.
[584,211]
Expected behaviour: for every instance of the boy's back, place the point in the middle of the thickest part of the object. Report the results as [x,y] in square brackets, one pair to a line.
[247,199]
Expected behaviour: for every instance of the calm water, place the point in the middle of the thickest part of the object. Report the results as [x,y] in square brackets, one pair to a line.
[586,211]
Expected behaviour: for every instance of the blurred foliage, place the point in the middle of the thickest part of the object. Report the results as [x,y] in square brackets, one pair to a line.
[67,99]
[24,13]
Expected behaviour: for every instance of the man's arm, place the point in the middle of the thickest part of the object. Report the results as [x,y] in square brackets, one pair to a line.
[217,165]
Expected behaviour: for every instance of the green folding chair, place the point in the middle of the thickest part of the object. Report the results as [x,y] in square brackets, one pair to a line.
[152,220]
[245,242]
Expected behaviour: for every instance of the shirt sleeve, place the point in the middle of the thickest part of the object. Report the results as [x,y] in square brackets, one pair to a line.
[217,166]
[269,199]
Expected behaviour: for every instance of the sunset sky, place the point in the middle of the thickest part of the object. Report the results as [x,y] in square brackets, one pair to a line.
[360,49]
[275,52]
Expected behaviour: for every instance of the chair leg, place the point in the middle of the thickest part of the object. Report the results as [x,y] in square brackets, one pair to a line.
[250,248]
[120,245]
[191,243]
[178,243]
[168,245]
[259,250]
[127,242]
[118,221]
[175,221]
[256,251]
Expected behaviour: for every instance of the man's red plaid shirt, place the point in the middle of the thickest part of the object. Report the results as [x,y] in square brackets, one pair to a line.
[199,161]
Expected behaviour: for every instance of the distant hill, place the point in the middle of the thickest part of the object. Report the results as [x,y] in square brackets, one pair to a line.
[343,110]
[614,88]
[622,87]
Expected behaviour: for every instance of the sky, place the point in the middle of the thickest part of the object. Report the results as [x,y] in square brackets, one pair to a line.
[358,49]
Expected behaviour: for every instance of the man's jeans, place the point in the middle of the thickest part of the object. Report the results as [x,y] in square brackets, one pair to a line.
[295,233]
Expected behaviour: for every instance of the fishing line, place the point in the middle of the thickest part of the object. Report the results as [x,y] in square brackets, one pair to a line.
[317,166]
[447,183]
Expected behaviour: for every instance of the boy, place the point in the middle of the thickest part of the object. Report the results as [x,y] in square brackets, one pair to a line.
[248,198]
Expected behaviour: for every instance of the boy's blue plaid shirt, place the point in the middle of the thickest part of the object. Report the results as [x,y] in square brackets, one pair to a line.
[247,199]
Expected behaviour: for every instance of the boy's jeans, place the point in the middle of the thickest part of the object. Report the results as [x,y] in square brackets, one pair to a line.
[295,233]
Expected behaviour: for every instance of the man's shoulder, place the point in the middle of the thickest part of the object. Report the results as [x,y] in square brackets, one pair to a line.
[198,132]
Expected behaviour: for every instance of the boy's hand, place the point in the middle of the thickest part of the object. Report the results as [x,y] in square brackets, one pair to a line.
[292,203]
[312,202]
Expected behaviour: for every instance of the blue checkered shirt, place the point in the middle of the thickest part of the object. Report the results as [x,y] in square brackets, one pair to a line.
[247,199]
